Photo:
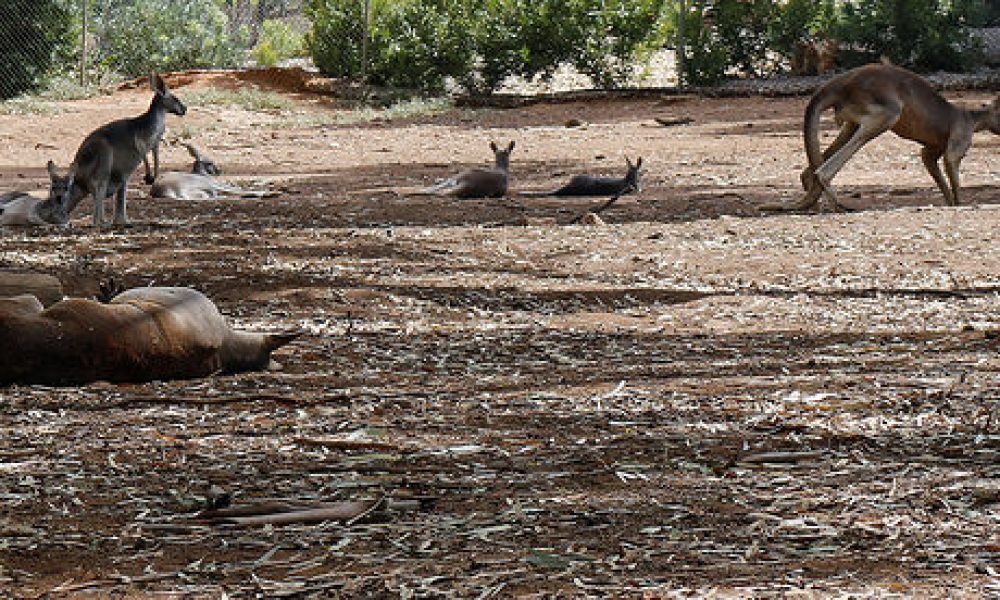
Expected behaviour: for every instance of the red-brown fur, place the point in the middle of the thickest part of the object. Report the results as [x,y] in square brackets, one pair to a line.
[142,335]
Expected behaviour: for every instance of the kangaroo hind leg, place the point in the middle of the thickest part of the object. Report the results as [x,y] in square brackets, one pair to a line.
[931,158]
[877,120]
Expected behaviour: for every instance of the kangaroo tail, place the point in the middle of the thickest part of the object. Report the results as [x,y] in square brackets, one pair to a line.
[821,100]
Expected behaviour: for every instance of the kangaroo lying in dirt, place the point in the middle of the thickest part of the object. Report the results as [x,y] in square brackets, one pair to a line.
[588,185]
[108,156]
[876,98]
[479,182]
[199,184]
[19,208]
[144,334]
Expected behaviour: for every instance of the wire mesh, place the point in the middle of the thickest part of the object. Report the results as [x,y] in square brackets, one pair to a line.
[90,40]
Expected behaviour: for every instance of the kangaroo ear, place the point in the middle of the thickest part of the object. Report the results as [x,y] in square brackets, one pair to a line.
[193,151]
[156,82]
[510,147]
[638,163]
[493,146]
[628,163]
[52,169]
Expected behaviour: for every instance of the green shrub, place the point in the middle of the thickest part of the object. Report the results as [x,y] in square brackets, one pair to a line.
[920,34]
[706,60]
[418,44]
[140,35]
[278,42]
[526,38]
[480,43]
[338,28]
[618,34]
[36,37]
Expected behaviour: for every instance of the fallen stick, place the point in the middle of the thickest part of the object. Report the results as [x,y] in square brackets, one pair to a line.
[674,122]
[285,513]
[345,511]
[344,444]
[780,457]
[601,207]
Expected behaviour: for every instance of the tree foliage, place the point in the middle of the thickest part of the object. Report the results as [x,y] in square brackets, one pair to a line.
[479,44]
[756,37]
[36,38]
[140,35]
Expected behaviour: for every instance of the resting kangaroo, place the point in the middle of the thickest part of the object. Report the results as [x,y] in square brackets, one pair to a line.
[479,182]
[19,208]
[144,334]
[108,156]
[876,98]
[199,183]
[588,185]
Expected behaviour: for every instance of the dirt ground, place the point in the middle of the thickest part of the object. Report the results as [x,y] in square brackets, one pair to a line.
[696,399]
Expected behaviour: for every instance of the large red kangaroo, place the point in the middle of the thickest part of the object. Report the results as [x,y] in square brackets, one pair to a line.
[876,98]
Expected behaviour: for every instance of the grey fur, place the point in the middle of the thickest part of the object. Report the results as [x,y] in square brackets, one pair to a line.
[110,154]
[588,185]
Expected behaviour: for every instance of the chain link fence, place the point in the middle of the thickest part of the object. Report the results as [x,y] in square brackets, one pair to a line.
[90,41]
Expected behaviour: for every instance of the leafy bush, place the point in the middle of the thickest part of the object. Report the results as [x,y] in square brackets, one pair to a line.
[706,60]
[278,42]
[617,35]
[525,38]
[420,44]
[140,35]
[921,34]
[755,37]
[338,28]
[35,39]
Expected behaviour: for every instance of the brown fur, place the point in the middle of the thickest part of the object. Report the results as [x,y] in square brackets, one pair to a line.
[814,57]
[876,98]
[144,334]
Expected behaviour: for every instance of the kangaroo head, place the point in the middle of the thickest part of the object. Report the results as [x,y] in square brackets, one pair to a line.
[202,164]
[502,155]
[632,177]
[55,208]
[164,96]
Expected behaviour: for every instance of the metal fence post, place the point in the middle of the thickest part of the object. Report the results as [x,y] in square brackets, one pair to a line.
[680,60]
[364,41]
[84,18]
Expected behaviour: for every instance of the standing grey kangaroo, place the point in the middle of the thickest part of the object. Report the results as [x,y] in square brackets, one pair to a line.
[876,98]
[110,154]
[480,182]
[588,185]
[199,183]
[19,208]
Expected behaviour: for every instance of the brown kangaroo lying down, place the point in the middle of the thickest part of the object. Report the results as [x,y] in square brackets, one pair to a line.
[144,334]
[478,182]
